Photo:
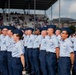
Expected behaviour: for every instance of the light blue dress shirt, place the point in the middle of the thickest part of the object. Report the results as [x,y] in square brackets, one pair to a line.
[3,42]
[30,41]
[75,44]
[26,37]
[43,42]
[59,39]
[10,44]
[18,49]
[52,44]
[37,41]
[66,48]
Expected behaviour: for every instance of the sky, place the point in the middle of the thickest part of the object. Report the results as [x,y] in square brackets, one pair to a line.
[67,9]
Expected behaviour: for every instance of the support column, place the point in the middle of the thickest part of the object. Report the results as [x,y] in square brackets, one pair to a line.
[24,16]
[45,12]
[59,13]
[51,14]
[3,15]
[34,14]
[29,9]
[9,11]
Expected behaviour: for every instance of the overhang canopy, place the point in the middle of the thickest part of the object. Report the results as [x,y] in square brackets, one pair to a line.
[26,4]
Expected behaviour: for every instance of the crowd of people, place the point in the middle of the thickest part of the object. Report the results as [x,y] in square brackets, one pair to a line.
[39,52]
[25,20]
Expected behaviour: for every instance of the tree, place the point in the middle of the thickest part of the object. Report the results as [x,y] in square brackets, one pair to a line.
[73,28]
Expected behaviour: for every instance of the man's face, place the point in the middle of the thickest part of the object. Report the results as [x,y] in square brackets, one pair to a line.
[4,31]
[64,35]
[15,37]
[9,33]
[50,31]
[57,32]
[26,32]
[29,32]
[37,32]
[44,33]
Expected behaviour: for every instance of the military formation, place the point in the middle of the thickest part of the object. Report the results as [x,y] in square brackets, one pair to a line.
[44,51]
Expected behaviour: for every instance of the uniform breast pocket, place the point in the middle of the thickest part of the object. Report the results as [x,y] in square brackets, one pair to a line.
[44,43]
[64,47]
[30,41]
[16,51]
[51,44]
[4,42]
[37,41]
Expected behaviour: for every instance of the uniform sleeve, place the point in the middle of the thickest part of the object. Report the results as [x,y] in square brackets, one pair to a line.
[7,42]
[21,49]
[75,44]
[24,41]
[55,41]
[0,41]
[70,46]
[32,39]
[39,38]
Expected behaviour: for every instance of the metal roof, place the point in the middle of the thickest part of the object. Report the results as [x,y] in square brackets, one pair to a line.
[27,4]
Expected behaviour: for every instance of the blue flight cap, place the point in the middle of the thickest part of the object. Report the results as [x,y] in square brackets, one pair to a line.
[67,29]
[43,28]
[39,28]
[17,31]
[25,29]
[30,29]
[11,28]
[1,27]
[22,29]
[58,29]
[5,27]
[51,26]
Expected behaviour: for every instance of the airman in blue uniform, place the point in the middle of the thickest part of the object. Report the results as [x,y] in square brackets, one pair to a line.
[26,37]
[58,33]
[9,45]
[3,51]
[18,61]
[35,52]
[42,53]
[30,43]
[75,55]
[72,38]
[0,47]
[66,55]
[52,50]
